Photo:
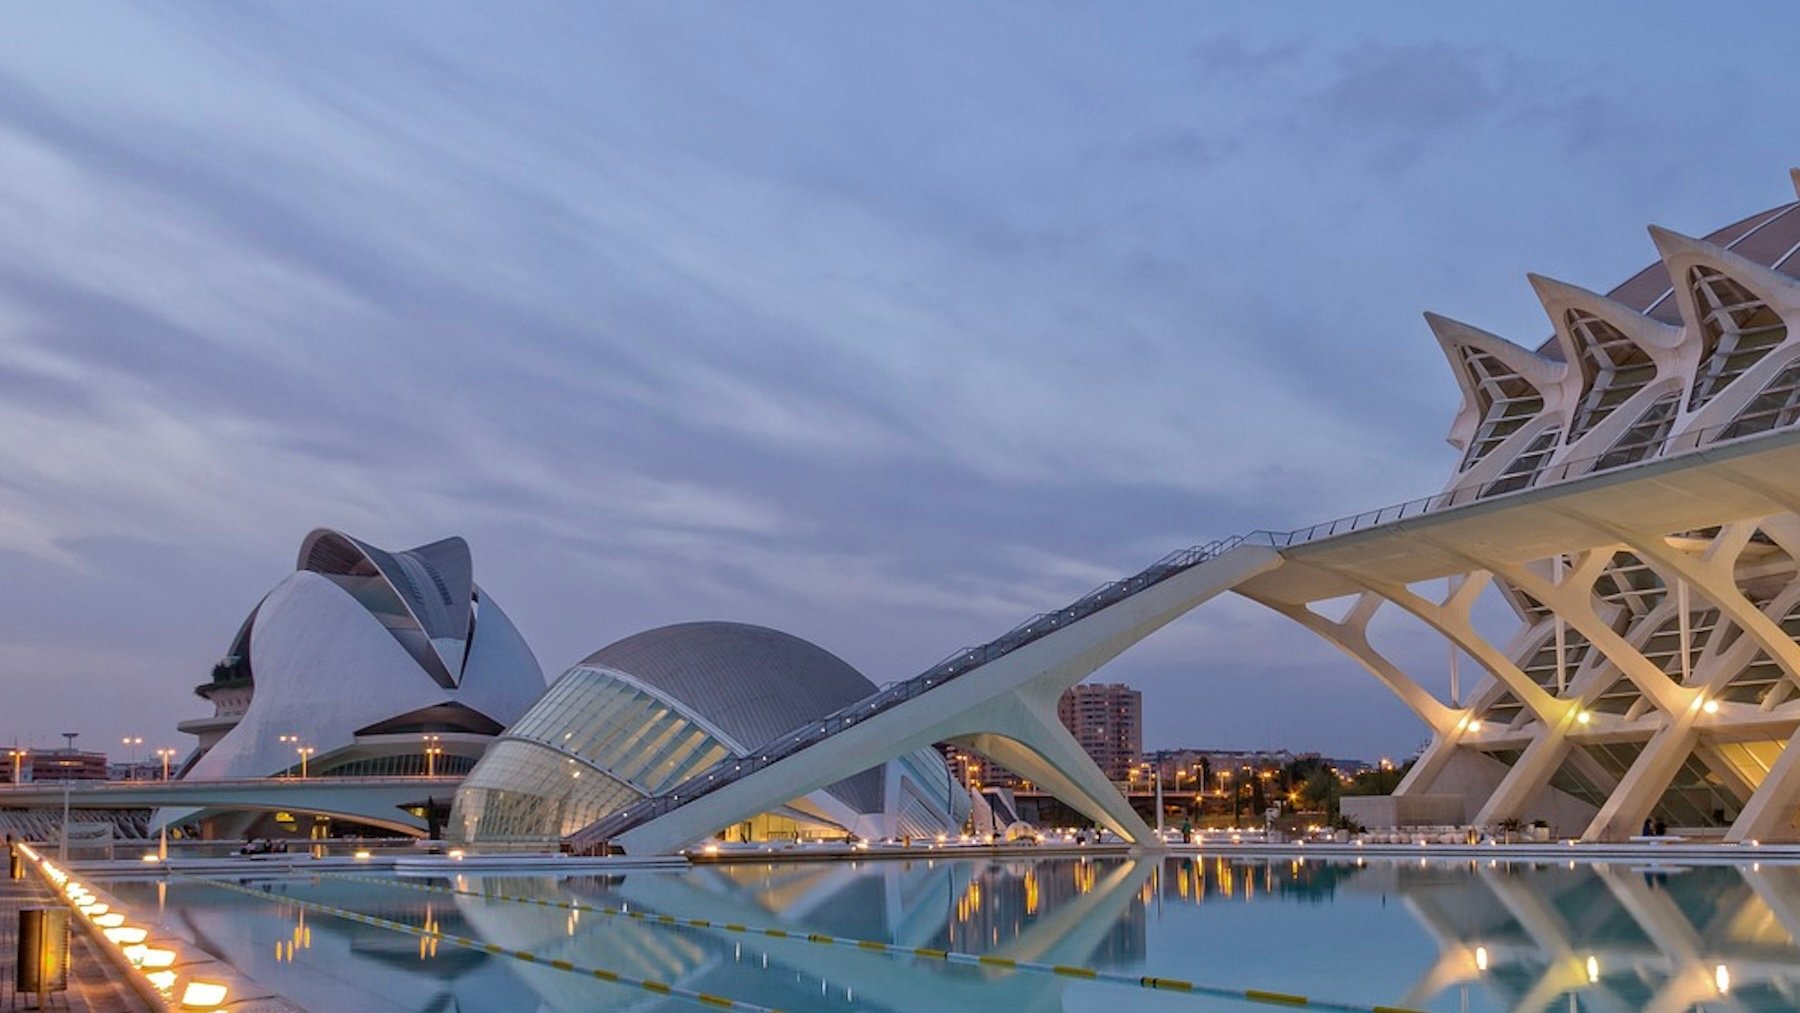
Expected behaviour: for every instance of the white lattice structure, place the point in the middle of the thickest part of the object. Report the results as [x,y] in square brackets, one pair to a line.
[1653,672]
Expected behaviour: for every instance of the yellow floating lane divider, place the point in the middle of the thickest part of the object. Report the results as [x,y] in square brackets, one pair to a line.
[599,973]
[1254,995]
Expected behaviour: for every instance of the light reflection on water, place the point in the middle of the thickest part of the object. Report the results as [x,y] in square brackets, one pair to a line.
[1442,936]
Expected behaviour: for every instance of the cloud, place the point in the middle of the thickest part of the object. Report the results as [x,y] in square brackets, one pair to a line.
[888,329]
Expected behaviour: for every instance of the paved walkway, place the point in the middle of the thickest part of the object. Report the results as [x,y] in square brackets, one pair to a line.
[95,986]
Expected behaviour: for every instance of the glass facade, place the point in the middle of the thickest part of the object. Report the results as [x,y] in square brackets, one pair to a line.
[598,741]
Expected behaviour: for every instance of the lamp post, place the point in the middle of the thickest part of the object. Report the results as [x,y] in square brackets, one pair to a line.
[62,850]
[1159,803]
[304,751]
[288,740]
[1224,782]
[431,752]
[18,759]
[162,837]
[133,741]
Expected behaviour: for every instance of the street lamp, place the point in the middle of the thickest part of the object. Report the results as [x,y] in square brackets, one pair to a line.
[304,751]
[133,741]
[432,749]
[68,760]
[18,759]
[165,754]
[289,740]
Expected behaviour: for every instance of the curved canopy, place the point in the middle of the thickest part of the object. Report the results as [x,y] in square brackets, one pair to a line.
[423,595]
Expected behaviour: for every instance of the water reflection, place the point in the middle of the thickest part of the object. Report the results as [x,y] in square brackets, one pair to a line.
[1609,937]
[1434,935]
[1061,912]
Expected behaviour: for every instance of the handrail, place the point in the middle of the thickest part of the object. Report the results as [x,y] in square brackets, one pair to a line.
[967,659]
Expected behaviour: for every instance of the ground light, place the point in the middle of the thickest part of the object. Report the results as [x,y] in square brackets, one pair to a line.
[155,963]
[203,995]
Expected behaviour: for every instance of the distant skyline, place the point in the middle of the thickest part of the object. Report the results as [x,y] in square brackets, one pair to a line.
[888,327]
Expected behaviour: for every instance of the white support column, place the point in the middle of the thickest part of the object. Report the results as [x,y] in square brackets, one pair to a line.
[1713,575]
[1351,636]
[1573,601]
[1635,798]
[1452,620]
[1044,753]
[1770,811]
[1528,776]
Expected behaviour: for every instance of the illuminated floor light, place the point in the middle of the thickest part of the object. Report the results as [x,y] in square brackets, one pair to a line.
[203,995]
[125,934]
[149,956]
[1722,978]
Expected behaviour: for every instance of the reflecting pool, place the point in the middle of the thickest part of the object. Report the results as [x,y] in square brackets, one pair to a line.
[1422,934]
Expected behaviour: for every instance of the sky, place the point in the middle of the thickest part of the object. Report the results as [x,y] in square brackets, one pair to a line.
[885,325]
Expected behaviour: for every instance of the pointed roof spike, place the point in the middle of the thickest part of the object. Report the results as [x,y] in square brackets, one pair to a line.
[1794,176]
[1540,372]
[1679,251]
[1670,243]
[1559,297]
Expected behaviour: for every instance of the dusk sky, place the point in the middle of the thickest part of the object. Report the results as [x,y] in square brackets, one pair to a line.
[885,325]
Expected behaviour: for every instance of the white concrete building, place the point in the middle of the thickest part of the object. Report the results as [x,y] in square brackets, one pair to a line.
[365,663]
[1653,671]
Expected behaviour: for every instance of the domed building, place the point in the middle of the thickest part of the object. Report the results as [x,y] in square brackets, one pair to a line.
[363,662]
[641,716]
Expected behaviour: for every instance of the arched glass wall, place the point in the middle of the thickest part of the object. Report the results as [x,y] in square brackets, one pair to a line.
[598,741]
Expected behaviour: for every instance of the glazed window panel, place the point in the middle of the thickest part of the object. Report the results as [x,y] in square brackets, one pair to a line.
[1645,438]
[648,750]
[1614,368]
[1663,647]
[1776,406]
[1505,399]
[1736,329]
[1525,468]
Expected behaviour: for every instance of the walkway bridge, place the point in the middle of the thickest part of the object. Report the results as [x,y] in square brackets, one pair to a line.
[378,801]
[1584,509]
[1008,715]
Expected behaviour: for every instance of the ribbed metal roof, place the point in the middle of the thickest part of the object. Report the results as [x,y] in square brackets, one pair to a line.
[753,682]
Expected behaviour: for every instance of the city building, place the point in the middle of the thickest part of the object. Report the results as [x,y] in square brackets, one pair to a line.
[27,765]
[649,712]
[1107,719]
[363,662]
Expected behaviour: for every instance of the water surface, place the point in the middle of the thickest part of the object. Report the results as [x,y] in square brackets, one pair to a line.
[1430,935]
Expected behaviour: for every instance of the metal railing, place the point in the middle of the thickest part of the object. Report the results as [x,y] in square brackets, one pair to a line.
[1605,462]
[967,659]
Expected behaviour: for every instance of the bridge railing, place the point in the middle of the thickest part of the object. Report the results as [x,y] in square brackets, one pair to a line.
[968,659]
[1614,458]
